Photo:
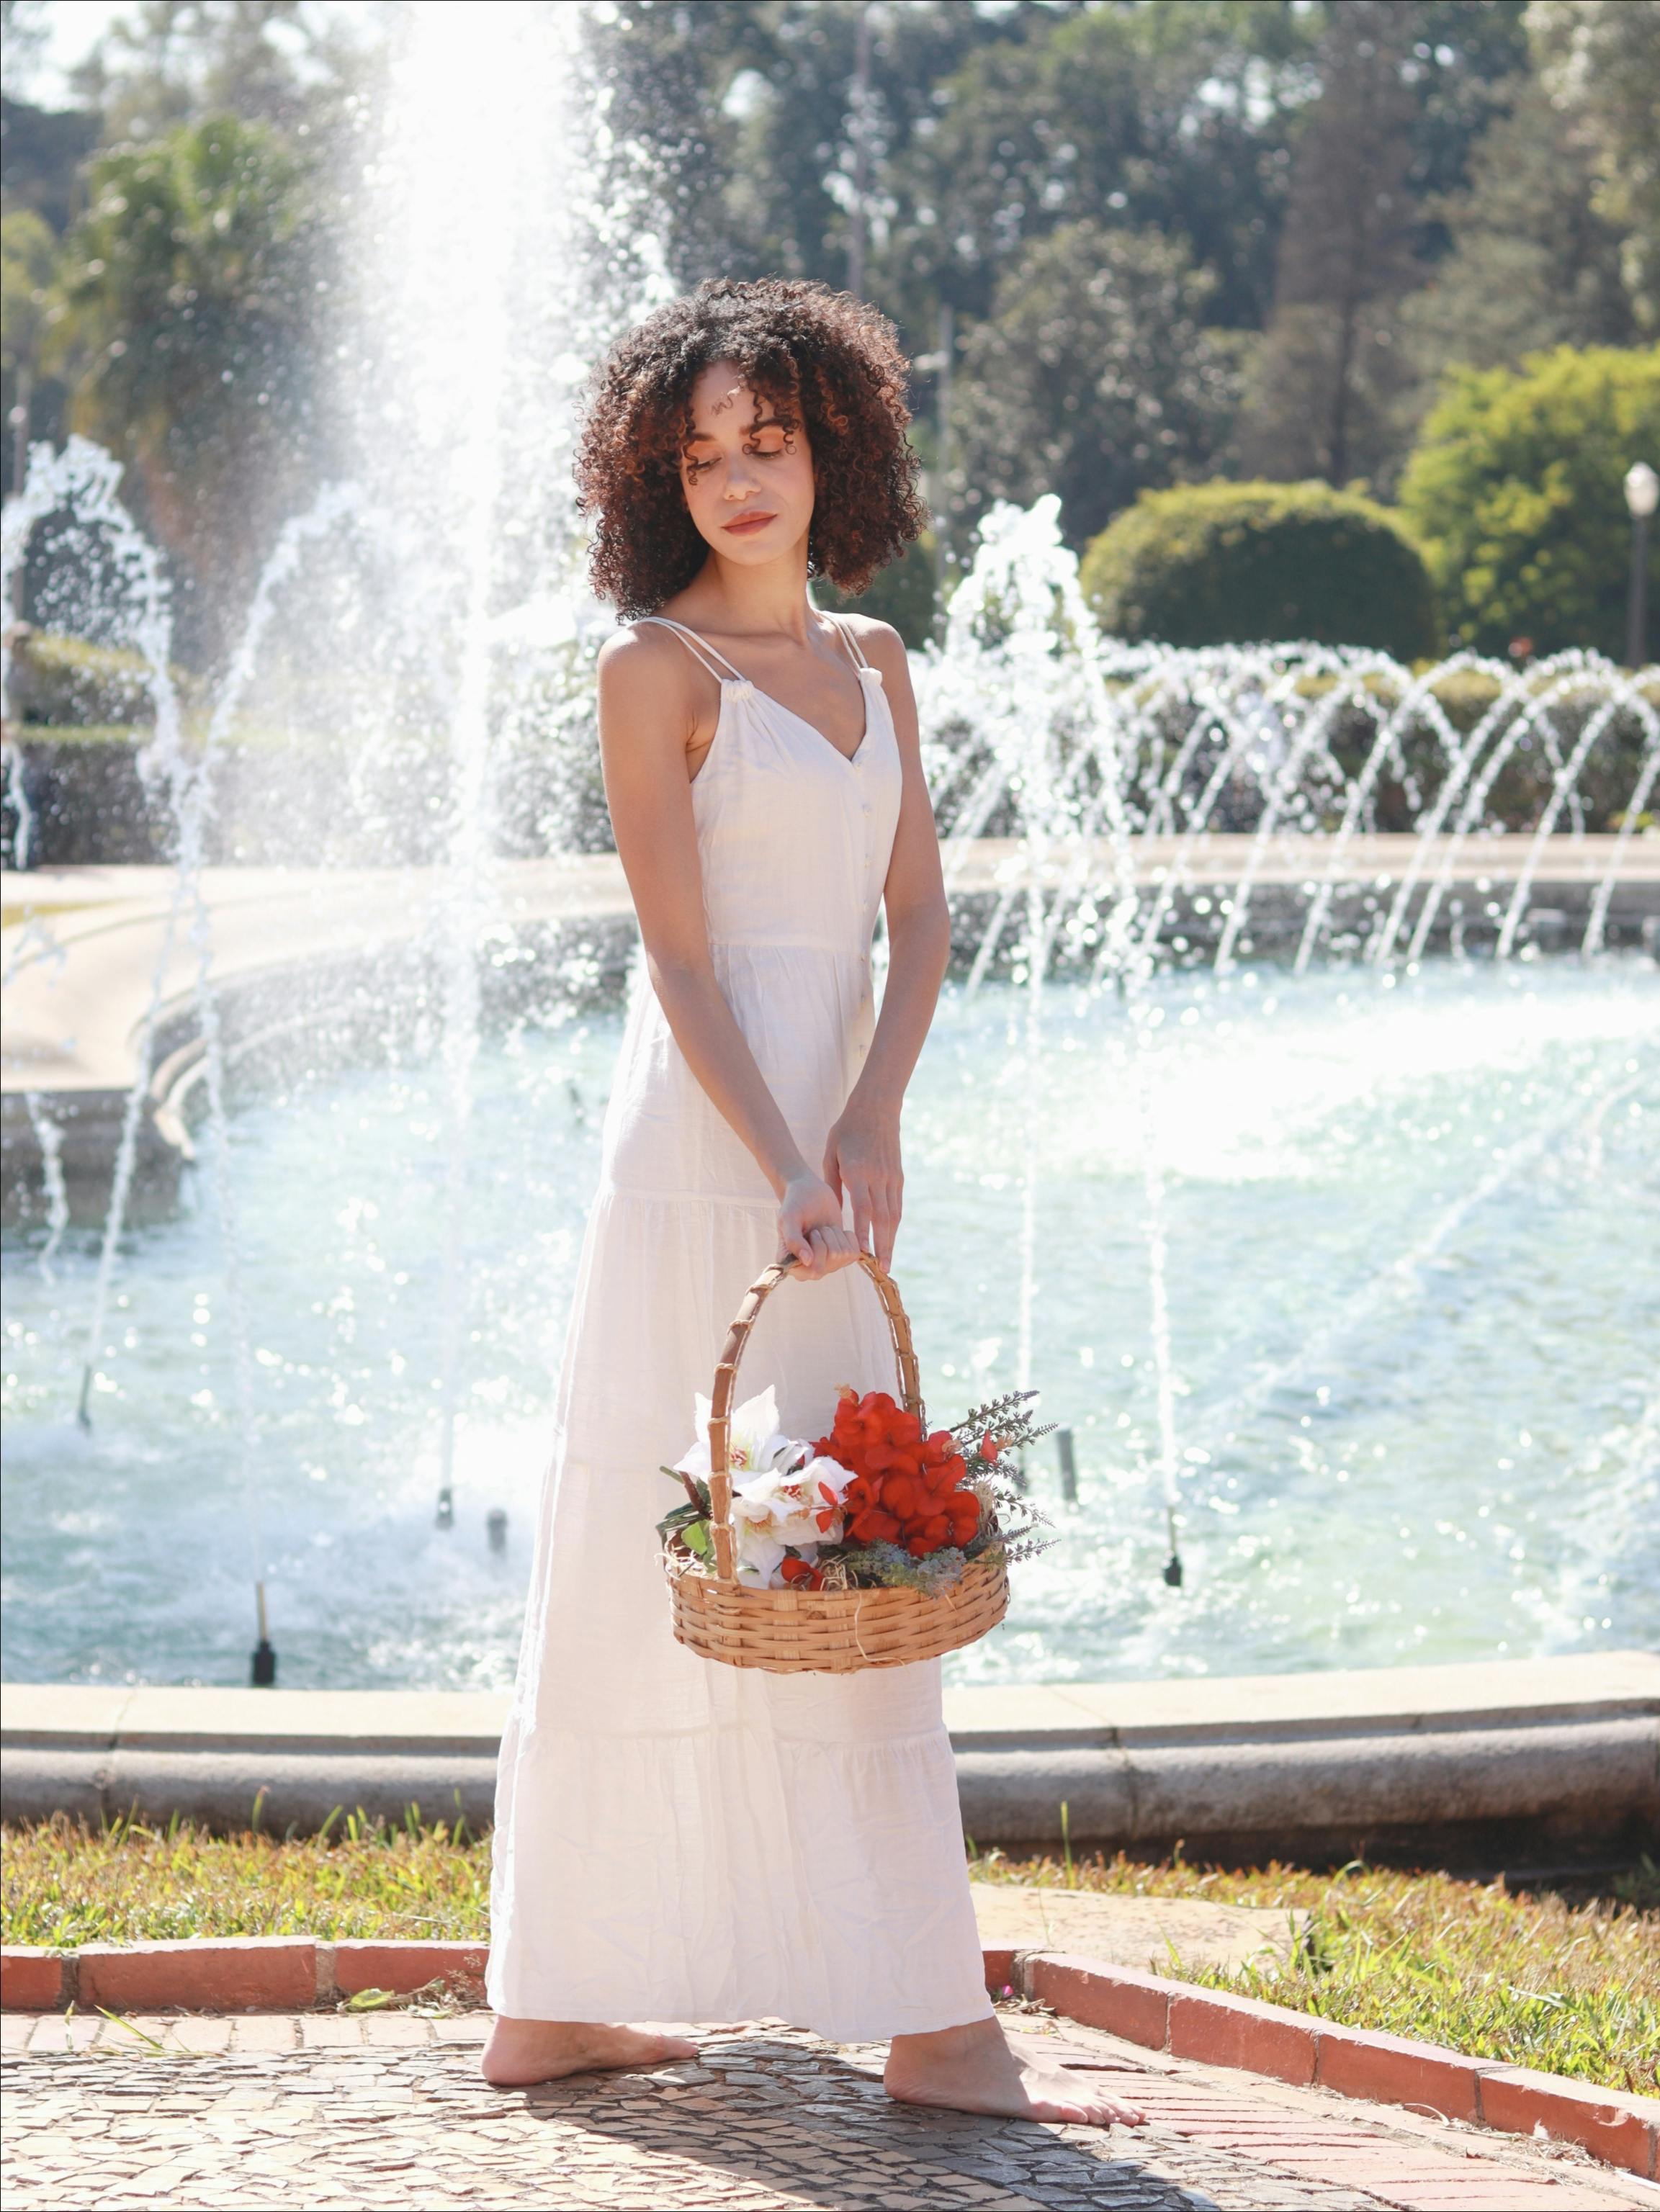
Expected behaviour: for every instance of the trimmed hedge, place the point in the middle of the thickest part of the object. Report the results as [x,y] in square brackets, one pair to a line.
[1251,563]
[69,683]
[903,593]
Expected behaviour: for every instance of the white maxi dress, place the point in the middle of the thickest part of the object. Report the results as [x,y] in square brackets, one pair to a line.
[676,1839]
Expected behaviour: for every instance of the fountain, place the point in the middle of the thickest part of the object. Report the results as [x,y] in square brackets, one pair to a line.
[1233,928]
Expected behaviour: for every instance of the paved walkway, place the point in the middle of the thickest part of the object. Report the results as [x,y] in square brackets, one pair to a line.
[387,2110]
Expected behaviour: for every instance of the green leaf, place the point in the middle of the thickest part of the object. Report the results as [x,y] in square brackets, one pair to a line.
[695,1537]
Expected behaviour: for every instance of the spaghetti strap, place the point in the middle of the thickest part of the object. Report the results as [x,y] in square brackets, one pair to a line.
[699,647]
[847,639]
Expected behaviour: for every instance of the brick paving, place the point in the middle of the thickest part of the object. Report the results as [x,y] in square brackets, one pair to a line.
[387,2110]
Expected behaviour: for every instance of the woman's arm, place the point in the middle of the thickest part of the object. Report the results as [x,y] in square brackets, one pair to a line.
[648,715]
[861,1153]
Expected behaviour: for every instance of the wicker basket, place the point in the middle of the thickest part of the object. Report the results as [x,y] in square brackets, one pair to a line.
[786,1632]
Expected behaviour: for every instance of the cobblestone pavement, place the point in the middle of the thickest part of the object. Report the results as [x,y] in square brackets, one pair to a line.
[387,2110]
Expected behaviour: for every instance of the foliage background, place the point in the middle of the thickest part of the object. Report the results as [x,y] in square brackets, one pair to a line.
[1129,246]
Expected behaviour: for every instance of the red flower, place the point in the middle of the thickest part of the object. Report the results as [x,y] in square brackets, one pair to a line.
[873,1527]
[902,1494]
[962,1510]
[800,1576]
[905,1484]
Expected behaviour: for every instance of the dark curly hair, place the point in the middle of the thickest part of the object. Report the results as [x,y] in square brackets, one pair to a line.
[820,358]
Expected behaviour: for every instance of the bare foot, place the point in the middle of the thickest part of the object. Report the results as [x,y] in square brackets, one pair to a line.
[975,2068]
[521,2052]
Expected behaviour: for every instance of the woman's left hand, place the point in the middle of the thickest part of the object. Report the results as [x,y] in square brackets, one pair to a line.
[862,1157]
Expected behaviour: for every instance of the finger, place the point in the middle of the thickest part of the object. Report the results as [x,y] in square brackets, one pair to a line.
[859,1191]
[890,1223]
[791,1240]
[836,1246]
[884,1223]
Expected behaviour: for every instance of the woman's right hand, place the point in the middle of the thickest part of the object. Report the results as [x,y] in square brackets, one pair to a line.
[810,1226]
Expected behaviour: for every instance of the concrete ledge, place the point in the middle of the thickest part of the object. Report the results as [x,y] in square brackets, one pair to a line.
[242,1787]
[1510,1763]
[295,1973]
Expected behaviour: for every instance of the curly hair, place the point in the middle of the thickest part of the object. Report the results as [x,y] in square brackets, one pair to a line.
[820,358]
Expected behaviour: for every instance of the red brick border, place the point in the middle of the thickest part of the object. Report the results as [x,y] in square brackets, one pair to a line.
[403,1968]
[245,1973]
[283,1973]
[1222,2030]
[32,1980]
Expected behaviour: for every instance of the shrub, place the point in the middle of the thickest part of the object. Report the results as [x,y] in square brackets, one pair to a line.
[1515,491]
[68,683]
[1246,564]
[903,593]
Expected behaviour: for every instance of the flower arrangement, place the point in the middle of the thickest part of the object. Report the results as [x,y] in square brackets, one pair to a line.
[876,1504]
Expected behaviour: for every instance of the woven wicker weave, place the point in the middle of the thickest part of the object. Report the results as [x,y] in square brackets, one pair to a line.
[786,1632]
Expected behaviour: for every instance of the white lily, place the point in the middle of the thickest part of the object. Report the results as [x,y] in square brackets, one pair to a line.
[786,1508]
[779,1489]
[754,1439]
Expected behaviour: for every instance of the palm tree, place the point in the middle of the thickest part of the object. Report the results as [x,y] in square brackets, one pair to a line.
[183,314]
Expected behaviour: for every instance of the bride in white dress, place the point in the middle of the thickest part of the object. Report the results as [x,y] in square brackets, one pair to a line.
[677,1840]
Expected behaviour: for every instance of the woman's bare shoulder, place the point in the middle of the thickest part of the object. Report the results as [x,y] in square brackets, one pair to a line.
[642,661]
[642,645]
[880,641]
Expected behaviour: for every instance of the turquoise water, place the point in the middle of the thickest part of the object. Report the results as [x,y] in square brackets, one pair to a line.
[1413,1241]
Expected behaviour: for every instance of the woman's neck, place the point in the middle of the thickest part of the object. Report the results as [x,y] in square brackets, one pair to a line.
[744,601]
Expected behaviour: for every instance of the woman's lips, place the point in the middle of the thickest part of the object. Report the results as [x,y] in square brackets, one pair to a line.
[746,523]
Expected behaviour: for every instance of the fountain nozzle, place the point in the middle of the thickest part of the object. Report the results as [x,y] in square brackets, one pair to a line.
[1173,1571]
[263,1674]
[447,1507]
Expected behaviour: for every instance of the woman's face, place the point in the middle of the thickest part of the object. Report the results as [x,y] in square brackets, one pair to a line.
[747,478]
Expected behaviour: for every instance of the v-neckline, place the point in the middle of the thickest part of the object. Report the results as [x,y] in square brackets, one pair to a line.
[846,759]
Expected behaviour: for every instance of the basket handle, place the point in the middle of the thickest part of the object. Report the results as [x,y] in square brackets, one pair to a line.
[725,1378]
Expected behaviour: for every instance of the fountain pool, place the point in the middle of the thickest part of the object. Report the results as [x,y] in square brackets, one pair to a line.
[1413,1288]
[1350,1263]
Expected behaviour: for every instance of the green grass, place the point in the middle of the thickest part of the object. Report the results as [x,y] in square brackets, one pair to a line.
[64,1885]
[1531,1978]
[1534,1980]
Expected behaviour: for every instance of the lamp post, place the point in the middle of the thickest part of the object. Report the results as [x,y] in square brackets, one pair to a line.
[1642,492]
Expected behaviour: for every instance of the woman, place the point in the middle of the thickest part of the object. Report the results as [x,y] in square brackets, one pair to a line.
[678,1839]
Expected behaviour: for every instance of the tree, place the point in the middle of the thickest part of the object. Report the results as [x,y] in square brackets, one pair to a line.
[1326,378]
[1600,60]
[1515,493]
[749,106]
[28,256]
[1095,377]
[187,304]
[23,34]
[1531,263]
[1463,60]
[281,63]
[1121,115]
